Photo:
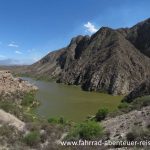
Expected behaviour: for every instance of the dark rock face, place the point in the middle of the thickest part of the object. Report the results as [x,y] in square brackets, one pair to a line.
[114,61]
[142,90]
[139,36]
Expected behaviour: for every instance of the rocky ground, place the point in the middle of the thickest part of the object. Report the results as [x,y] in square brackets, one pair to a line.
[19,128]
[121,125]
[10,84]
[7,118]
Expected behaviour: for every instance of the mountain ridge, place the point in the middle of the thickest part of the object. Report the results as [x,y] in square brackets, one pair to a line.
[111,60]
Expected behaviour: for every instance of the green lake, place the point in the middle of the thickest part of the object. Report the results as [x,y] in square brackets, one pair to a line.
[70,101]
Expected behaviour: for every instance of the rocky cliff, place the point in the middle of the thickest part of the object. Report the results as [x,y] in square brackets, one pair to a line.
[113,61]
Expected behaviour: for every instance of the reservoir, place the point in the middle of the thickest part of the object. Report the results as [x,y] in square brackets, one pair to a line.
[70,102]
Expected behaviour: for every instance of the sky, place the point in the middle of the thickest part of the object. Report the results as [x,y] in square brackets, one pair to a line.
[29,29]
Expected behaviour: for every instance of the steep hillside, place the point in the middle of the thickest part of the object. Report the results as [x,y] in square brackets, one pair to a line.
[53,63]
[113,61]
[142,90]
[49,65]
[139,35]
[109,63]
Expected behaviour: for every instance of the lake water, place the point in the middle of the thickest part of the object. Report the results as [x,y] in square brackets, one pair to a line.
[70,101]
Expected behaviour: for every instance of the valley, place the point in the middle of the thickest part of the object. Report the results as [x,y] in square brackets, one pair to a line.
[95,88]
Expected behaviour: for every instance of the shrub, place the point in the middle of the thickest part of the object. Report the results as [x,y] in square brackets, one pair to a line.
[54,120]
[123,105]
[101,114]
[32,138]
[86,130]
[62,120]
[28,99]
[89,130]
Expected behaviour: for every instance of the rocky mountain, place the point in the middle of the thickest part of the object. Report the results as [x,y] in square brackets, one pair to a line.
[113,61]
[139,36]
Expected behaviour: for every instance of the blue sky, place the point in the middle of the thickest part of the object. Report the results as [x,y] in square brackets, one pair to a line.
[29,29]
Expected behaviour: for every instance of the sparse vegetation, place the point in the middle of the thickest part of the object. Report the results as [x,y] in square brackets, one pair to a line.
[138,134]
[123,105]
[29,99]
[59,120]
[136,104]
[10,135]
[101,114]
[19,104]
[32,138]
[86,130]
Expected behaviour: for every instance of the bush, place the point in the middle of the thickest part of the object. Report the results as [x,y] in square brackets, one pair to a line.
[86,130]
[89,130]
[32,138]
[123,105]
[60,120]
[101,114]
[53,120]
[28,99]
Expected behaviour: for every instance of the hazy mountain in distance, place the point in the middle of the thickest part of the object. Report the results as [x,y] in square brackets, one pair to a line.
[8,62]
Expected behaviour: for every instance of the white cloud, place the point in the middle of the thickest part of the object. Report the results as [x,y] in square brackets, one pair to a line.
[13,45]
[90,27]
[18,52]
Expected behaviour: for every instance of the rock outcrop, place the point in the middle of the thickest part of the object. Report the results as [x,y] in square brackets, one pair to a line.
[10,84]
[7,118]
[113,61]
